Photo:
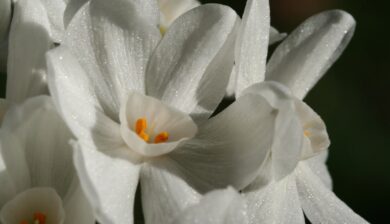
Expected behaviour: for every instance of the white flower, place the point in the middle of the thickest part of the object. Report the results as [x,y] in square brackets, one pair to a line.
[38,180]
[139,106]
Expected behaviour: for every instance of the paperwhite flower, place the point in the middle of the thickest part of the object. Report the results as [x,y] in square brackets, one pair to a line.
[38,181]
[139,105]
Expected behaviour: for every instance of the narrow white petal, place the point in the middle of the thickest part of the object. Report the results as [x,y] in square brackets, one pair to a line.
[3,109]
[252,44]
[191,66]
[78,101]
[307,53]
[318,166]
[217,207]
[109,184]
[229,148]
[77,207]
[275,36]
[113,41]
[319,203]
[164,194]
[25,204]
[55,12]
[14,175]
[28,42]
[5,18]
[277,202]
[44,138]
[71,9]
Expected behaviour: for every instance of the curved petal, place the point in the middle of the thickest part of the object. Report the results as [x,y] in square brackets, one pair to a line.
[275,36]
[172,9]
[164,194]
[229,148]
[5,18]
[319,203]
[217,207]
[109,184]
[288,141]
[307,53]
[113,41]
[44,137]
[191,66]
[252,44]
[78,103]
[71,9]
[77,207]
[277,202]
[14,175]
[28,42]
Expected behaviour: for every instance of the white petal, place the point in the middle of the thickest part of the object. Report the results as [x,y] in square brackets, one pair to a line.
[288,141]
[164,194]
[320,204]
[276,203]
[71,9]
[3,109]
[231,147]
[301,60]
[109,184]
[160,118]
[316,138]
[28,42]
[55,12]
[113,41]
[252,44]
[318,166]
[77,207]
[44,138]
[5,18]
[14,175]
[172,9]
[217,207]
[275,36]
[191,66]
[25,204]
[78,102]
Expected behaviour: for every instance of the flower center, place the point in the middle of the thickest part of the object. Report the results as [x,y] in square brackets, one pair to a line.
[306,133]
[141,126]
[39,218]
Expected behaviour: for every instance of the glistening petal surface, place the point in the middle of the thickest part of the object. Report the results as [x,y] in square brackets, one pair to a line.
[191,66]
[307,53]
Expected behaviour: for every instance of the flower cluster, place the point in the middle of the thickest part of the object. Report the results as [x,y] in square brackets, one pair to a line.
[105,97]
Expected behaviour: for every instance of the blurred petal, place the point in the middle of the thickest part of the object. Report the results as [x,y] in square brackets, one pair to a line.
[276,203]
[109,184]
[318,166]
[113,41]
[5,18]
[14,175]
[77,207]
[252,44]
[3,109]
[55,12]
[44,137]
[217,207]
[164,194]
[319,203]
[25,204]
[307,53]
[28,42]
[229,148]
[191,66]
[288,141]
[78,101]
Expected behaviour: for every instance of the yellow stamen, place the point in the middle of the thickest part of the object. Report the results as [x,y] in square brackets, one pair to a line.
[162,137]
[140,129]
[163,30]
[306,133]
[39,218]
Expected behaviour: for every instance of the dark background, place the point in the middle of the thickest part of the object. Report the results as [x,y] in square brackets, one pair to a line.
[353,100]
